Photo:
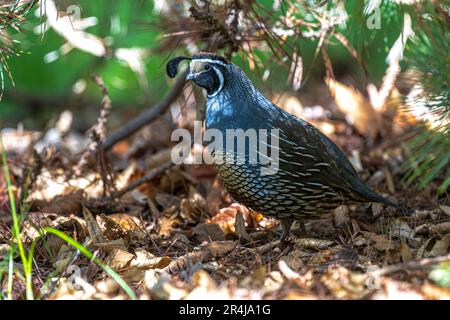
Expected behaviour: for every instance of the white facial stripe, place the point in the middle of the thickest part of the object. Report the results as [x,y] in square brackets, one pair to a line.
[213,61]
[196,74]
[220,76]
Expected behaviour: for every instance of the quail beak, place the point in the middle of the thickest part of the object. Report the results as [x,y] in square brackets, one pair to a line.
[190,76]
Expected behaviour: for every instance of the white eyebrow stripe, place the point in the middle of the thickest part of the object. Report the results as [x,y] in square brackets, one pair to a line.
[223,64]
[197,73]
[220,76]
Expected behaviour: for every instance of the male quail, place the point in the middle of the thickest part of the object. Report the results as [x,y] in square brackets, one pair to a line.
[313,174]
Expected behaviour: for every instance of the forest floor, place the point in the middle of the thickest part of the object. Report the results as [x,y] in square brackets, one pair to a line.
[181,236]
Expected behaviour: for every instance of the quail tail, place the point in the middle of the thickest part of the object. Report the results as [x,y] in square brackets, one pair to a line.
[370,195]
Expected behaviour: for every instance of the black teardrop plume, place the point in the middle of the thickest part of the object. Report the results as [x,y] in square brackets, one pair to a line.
[172,66]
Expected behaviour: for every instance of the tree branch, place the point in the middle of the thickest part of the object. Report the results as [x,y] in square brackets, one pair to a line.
[146,116]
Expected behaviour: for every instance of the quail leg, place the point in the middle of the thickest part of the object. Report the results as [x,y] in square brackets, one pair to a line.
[286,227]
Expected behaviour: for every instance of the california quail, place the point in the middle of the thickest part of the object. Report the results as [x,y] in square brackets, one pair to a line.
[313,174]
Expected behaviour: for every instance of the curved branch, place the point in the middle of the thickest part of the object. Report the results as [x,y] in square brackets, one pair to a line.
[146,116]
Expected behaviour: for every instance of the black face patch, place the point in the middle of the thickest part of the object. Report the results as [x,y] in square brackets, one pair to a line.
[208,80]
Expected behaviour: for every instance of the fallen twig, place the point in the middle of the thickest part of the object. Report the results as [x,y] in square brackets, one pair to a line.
[136,183]
[105,109]
[98,131]
[410,265]
[267,246]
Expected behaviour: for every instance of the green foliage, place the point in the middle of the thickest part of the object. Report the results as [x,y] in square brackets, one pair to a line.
[428,55]
[51,84]
[12,15]
[429,157]
[140,26]
[441,275]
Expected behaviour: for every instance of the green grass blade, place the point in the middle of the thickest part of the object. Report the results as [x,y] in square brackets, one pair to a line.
[89,255]
[444,185]
[10,272]
[16,222]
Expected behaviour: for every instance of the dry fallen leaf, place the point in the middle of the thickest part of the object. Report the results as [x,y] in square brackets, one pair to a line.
[405,252]
[396,290]
[151,278]
[63,204]
[133,275]
[344,284]
[255,218]
[165,226]
[274,281]
[214,199]
[226,217]
[119,259]
[164,289]
[219,248]
[208,232]
[167,200]
[311,243]
[401,229]
[256,279]
[424,249]
[4,248]
[111,245]
[108,286]
[206,288]
[186,261]
[267,246]
[299,295]
[63,258]
[143,262]
[202,279]
[53,244]
[294,260]
[94,229]
[445,209]
[441,228]
[441,247]
[377,208]
[382,243]
[146,260]
[193,209]
[356,107]
[126,221]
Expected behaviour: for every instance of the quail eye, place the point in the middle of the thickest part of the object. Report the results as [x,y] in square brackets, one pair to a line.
[207,66]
